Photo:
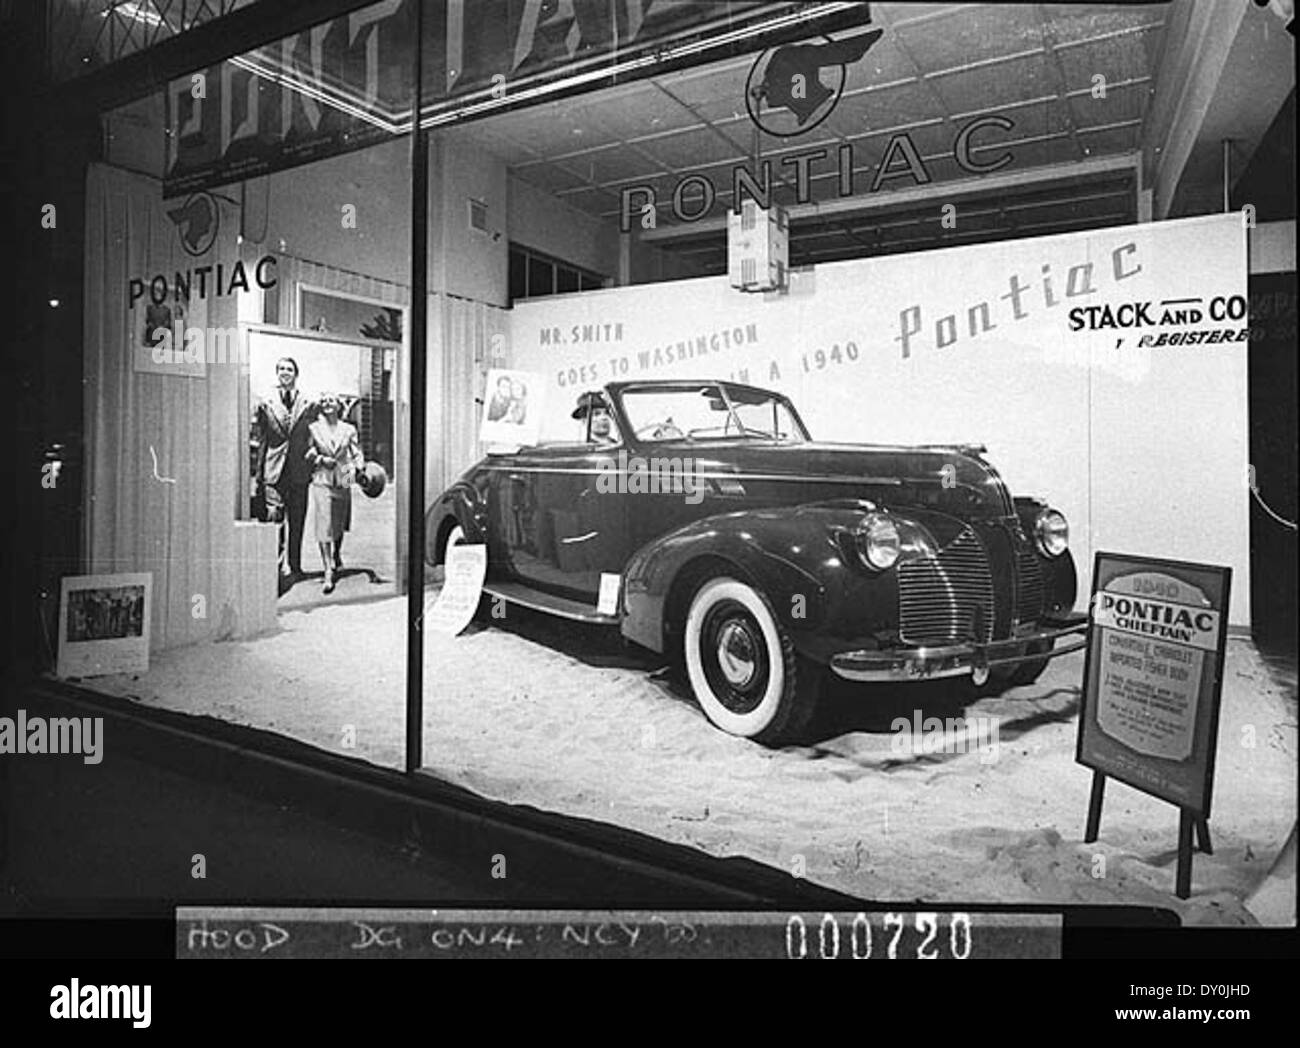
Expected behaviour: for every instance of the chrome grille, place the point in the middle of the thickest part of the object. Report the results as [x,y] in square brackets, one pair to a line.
[1029,584]
[947,599]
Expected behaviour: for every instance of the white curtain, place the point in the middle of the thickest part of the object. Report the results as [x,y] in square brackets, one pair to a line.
[465,338]
[163,450]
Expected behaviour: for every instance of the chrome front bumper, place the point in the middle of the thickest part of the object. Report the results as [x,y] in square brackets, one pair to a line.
[958,660]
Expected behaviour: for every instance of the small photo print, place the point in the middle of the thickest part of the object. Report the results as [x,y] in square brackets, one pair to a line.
[511,408]
[104,624]
[100,614]
[158,325]
[160,348]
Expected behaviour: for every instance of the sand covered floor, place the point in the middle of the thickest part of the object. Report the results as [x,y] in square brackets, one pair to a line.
[546,714]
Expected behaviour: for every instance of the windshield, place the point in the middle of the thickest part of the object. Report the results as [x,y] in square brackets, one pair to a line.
[709,412]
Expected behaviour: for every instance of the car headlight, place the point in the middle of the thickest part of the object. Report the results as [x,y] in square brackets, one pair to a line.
[1052,533]
[879,543]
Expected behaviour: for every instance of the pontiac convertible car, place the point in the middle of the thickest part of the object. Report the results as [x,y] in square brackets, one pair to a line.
[701,520]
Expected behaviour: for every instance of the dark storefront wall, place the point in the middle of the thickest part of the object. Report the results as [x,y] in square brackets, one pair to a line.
[1273,442]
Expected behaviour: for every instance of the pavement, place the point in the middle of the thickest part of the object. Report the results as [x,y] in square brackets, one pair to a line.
[125,835]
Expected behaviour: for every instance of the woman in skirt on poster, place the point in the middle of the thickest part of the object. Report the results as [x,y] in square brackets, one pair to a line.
[334,453]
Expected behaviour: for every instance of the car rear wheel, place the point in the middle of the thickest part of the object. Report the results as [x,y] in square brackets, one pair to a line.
[742,665]
[454,537]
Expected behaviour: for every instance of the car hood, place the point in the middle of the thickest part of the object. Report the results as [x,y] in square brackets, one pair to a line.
[952,479]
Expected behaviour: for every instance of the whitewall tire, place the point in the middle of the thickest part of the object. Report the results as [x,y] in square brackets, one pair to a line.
[742,666]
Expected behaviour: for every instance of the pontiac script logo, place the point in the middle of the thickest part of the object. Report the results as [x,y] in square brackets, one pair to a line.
[785,94]
[197,221]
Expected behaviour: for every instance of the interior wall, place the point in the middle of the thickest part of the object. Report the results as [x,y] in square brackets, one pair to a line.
[539,220]
[648,264]
[303,208]
[1144,450]
[464,261]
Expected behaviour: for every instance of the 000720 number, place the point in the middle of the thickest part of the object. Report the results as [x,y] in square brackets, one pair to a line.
[858,942]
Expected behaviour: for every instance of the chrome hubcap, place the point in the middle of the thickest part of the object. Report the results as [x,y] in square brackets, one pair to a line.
[736,654]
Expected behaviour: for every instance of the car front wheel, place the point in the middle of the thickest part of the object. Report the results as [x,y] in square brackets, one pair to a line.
[742,665]
[1028,672]
[1017,675]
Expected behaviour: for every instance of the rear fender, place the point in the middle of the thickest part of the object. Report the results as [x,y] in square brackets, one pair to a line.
[459,504]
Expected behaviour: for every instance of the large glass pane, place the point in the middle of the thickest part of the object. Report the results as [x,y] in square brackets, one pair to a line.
[541,277]
[248,306]
[566,279]
[705,527]
[518,278]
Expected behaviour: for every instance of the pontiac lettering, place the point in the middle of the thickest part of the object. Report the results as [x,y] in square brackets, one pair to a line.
[223,282]
[1157,618]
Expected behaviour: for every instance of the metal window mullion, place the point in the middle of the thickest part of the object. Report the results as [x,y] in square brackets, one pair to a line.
[419,410]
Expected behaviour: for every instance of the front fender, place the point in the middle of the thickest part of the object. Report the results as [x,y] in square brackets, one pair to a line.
[796,556]
[1060,577]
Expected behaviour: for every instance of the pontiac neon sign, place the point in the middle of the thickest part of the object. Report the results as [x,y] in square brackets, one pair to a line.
[694,194]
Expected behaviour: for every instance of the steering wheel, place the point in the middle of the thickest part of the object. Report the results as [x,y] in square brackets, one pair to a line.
[666,429]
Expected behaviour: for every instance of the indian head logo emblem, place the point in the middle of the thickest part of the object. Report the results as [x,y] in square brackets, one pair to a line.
[197,221]
[785,93]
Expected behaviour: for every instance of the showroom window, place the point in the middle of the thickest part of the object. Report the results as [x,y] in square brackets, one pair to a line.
[589,436]
[251,341]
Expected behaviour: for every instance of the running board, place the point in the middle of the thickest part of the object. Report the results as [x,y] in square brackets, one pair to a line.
[525,597]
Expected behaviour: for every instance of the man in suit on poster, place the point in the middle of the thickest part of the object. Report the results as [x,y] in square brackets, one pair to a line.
[282,419]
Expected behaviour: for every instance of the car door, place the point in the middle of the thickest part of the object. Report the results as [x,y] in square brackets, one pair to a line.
[561,527]
[693,481]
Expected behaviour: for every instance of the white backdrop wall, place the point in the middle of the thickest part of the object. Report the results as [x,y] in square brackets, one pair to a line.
[1143,449]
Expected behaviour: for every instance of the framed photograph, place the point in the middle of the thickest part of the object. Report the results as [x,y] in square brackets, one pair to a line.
[104,624]
[512,408]
[159,340]
[349,316]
